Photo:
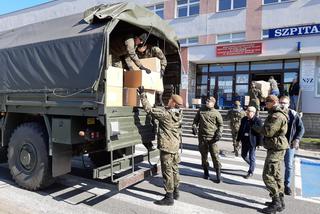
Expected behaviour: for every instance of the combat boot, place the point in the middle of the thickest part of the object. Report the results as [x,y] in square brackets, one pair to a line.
[218,175]
[283,206]
[273,207]
[176,193]
[205,173]
[166,201]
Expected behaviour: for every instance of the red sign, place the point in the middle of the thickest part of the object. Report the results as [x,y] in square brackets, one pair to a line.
[241,49]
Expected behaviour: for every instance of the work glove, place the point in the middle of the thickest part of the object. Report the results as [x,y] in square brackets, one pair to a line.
[194,130]
[161,73]
[217,137]
[140,90]
[295,144]
[148,71]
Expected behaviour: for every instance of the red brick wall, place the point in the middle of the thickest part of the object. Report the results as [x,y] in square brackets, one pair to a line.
[169,9]
[254,20]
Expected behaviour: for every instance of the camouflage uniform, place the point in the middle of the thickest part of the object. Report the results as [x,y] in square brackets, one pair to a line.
[169,139]
[124,48]
[235,115]
[274,131]
[154,51]
[255,96]
[210,130]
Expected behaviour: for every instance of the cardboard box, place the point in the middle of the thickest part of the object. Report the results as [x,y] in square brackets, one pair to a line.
[115,76]
[264,87]
[134,79]
[131,98]
[152,63]
[114,96]
[196,101]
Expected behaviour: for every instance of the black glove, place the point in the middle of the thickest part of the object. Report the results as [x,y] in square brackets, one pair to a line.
[217,137]
[140,90]
[161,73]
[194,130]
[148,71]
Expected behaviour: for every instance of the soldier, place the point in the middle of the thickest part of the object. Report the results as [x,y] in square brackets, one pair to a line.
[124,48]
[255,96]
[274,131]
[274,86]
[235,115]
[210,131]
[169,139]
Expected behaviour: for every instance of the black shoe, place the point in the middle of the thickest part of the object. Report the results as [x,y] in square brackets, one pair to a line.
[287,191]
[273,207]
[247,176]
[283,206]
[206,174]
[236,153]
[166,201]
[176,194]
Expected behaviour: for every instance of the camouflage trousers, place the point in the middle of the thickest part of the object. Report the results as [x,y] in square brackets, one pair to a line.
[272,176]
[170,170]
[205,146]
[236,145]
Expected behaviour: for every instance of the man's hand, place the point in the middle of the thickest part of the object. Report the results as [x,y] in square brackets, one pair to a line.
[295,144]
[161,73]
[130,68]
[148,71]
[140,90]
[217,137]
[194,130]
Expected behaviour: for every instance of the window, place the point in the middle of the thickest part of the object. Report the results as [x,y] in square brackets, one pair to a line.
[292,64]
[232,37]
[242,66]
[158,9]
[189,41]
[188,7]
[265,34]
[222,67]
[231,4]
[242,78]
[274,1]
[266,65]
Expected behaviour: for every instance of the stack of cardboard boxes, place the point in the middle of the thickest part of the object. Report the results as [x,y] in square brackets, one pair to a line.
[130,81]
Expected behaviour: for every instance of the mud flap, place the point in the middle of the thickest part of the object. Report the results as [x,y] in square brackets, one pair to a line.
[61,159]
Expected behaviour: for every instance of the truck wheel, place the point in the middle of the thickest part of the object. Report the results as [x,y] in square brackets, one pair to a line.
[28,158]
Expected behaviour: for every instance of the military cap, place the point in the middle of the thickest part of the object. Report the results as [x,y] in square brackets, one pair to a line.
[177,98]
[237,103]
[143,37]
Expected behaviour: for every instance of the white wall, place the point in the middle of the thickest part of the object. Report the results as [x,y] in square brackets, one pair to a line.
[291,13]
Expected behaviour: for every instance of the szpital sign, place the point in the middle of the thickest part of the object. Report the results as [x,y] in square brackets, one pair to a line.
[294,31]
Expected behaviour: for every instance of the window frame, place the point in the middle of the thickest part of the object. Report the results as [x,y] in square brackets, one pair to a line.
[155,10]
[188,4]
[263,36]
[231,6]
[188,43]
[277,2]
[231,39]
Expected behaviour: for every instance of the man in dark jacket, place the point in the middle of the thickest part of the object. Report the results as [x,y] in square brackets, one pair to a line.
[249,139]
[294,135]
[294,93]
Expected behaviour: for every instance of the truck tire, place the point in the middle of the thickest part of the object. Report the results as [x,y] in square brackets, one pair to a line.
[28,158]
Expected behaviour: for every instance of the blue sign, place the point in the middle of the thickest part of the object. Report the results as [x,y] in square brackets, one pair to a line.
[294,31]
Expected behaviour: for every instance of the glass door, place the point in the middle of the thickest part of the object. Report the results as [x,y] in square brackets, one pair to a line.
[224,95]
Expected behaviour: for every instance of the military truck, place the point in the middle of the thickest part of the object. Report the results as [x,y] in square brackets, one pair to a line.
[54,91]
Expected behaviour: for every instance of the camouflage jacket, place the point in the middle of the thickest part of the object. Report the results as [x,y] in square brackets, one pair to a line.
[274,129]
[235,115]
[210,122]
[255,93]
[125,47]
[170,122]
[154,51]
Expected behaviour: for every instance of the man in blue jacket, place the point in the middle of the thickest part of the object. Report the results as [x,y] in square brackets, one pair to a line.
[249,139]
[294,135]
